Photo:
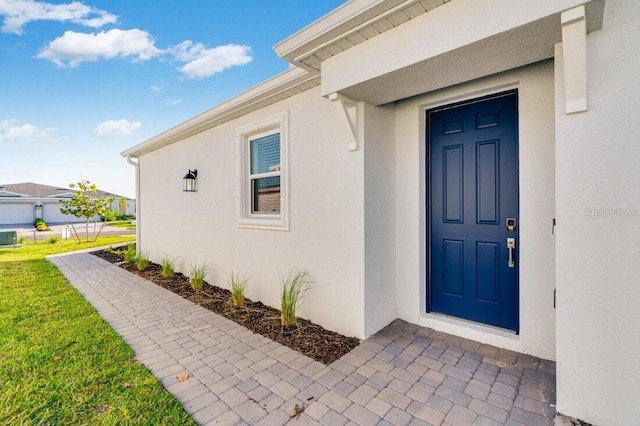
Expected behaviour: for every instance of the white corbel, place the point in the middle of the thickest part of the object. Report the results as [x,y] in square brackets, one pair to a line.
[574,47]
[349,108]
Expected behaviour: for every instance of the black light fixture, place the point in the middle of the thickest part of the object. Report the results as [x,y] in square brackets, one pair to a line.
[189,181]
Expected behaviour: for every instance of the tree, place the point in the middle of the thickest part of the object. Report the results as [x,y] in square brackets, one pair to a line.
[85,204]
[122,204]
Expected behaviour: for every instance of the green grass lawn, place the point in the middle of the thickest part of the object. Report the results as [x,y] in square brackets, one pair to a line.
[40,249]
[60,362]
[126,224]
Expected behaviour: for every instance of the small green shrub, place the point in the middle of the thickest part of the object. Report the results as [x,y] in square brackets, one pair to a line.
[197,275]
[168,267]
[37,221]
[238,285]
[292,292]
[20,239]
[109,215]
[142,262]
[41,226]
[53,239]
[129,254]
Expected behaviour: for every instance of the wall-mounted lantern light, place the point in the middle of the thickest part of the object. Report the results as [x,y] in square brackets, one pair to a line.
[38,207]
[189,181]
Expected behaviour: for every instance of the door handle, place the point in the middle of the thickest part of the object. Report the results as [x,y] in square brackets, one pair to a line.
[511,246]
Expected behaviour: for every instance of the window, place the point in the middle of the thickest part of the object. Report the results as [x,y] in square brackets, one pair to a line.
[265,174]
[262,174]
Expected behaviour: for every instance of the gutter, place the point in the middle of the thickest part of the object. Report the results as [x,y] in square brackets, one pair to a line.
[136,164]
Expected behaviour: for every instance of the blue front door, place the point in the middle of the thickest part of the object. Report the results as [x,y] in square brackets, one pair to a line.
[472,196]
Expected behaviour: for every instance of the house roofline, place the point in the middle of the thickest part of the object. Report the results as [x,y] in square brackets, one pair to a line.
[350,24]
[38,190]
[331,25]
[267,92]
[13,194]
[44,200]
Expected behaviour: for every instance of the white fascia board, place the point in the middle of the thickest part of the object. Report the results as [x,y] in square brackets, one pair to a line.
[286,80]
[331,25]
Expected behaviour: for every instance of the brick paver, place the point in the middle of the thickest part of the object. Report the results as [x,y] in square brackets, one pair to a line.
[403,375]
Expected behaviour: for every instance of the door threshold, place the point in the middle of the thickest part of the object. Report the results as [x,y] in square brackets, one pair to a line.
[469,324]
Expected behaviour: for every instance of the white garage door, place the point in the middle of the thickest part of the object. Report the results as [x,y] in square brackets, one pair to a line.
[51,214]
[15,213]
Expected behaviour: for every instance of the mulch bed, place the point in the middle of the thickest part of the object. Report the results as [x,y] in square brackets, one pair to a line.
[307,338]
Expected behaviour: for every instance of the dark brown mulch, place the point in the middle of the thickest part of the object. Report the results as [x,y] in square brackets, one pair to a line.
[108,256]
[307,338]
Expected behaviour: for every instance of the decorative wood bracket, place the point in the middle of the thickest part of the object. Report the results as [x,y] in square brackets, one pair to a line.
[349,108]
[574,47]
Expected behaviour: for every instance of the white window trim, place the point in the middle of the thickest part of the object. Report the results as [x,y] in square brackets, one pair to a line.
[245,218]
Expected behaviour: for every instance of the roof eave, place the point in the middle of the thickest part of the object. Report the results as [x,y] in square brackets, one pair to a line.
[331,25]
[219,114]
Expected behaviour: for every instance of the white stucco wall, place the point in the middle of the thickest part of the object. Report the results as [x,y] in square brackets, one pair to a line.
[326,212]
[379,214]
[536,245]
[598,233]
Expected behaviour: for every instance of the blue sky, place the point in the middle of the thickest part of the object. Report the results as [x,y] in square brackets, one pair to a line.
[82,81]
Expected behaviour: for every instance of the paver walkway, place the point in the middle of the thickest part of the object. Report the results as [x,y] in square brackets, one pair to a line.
[404,375]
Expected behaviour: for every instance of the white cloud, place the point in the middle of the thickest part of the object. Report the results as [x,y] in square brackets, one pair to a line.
[18,13]
[10,130]
[156,89]
[120,127]
[74,48]
[172,102]
[202,62]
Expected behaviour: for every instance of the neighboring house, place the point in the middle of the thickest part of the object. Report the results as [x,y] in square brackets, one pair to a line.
[22,203]
[470,166]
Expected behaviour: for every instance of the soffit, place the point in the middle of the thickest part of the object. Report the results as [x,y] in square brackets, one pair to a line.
[355,22]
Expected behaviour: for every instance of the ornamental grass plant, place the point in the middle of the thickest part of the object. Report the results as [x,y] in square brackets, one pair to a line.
[238,285]
[142,262]
[199,272]
[168,267]
[129,254]
[292,292]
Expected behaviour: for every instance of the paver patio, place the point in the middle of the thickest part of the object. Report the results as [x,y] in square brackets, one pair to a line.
[404,375]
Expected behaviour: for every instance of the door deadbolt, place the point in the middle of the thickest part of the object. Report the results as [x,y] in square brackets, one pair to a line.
[511,224]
